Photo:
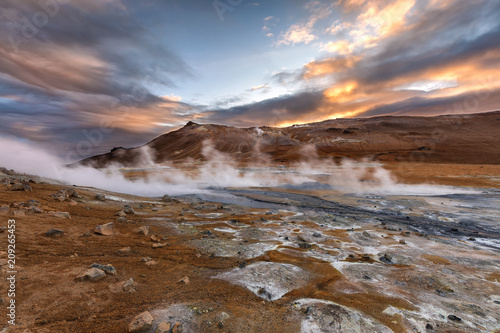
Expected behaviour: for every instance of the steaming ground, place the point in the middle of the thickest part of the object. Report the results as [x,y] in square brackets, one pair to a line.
[308,247]
[218,171]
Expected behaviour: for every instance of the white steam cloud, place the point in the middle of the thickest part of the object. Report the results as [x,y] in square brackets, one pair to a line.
[220,170]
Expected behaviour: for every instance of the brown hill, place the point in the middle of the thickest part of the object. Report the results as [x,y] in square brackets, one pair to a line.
[471,138]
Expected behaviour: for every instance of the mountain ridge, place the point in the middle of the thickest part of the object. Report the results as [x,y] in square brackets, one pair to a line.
[463,138]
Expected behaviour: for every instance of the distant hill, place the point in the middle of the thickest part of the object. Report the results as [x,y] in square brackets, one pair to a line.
[473,138]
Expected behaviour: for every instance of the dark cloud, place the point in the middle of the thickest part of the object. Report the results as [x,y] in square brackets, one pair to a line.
[268,112]
[61,65]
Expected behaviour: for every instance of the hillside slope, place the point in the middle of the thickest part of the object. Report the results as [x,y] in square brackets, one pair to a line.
[443,139]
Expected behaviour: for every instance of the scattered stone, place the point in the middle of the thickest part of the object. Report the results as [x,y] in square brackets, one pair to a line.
[155,238]
[472,239]
[405,233]
[61,215]
[402,241]
[92,274]
[108,269]
[440,293]
[121,213]
[141,323]
[54,233]
[316,234]
[143,230]
[386,258]
[454,318]
[72,203]
[223,317]
[184,280]
[100,197]
[496,302]
[163,328]
[35,210]
[128,210]
[124,250]
[21,187]
[129,286]
[158,245]
[105,229]
[177,328]
[366,234]
[367,277]
[151,263]
[19,213]
[167,198]
[4,209]
[429,327]
[304,245]
[121,219]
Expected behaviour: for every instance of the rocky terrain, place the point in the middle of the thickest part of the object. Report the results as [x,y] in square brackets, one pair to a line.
[443,139]
[294,258]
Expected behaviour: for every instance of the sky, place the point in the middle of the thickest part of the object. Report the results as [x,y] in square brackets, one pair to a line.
[83,76]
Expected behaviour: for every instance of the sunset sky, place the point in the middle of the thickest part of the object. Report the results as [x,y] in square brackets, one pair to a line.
[121,72]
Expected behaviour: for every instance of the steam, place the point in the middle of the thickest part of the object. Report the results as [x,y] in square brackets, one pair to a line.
[220,170]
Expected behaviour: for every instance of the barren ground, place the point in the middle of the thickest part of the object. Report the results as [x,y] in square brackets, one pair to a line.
[347,263]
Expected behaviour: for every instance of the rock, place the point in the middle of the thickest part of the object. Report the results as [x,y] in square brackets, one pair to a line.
[166,198]
[124,250]
[177,328]
[143,230]
[92,274]
[387,258]
[316,234]
[105,229]
[402,241]
[151,262]
[72,203]
[121,213]
[454,318]
[4,209]
[141,322]
[54,233]
[108,269]
[35,210]
[21,187]
[61,215]
[163,328]
[429,327]
[184,280]
[128,209]
[366,234]
[405,233]
[129,286]
[158,245]
[19,213]
[100,197]
[121,219]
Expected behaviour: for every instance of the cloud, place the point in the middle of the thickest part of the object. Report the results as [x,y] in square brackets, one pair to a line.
[261,87]
[297,34]
[72,65]
[303,32]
